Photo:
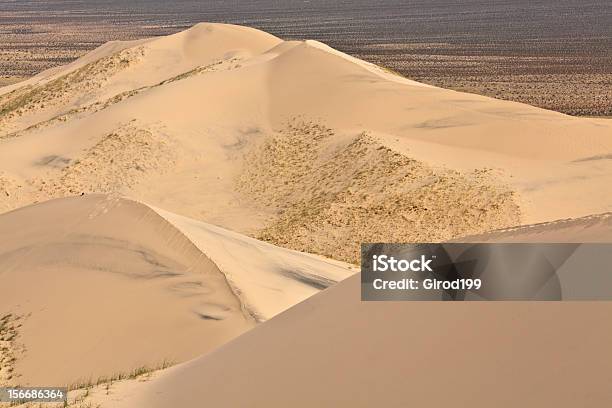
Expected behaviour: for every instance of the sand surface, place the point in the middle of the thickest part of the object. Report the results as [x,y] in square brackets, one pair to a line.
[267,279]
[334,350]
[222,137]
[396,354]
[100,286]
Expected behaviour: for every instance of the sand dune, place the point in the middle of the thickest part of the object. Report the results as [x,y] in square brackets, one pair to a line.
[116,69]
[295,143]
[334,350]
[267,279]
[224,130]
[102,286]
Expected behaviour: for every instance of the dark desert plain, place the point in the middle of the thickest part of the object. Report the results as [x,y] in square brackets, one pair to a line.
[551,54]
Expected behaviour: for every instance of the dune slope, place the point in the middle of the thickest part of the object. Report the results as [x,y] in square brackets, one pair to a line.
[266,279]
[97,286]
[334,350]
[102,286]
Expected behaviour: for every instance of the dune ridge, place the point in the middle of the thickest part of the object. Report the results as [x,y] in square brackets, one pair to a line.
[115,285]
[267,279]
[97,269]
[592,228]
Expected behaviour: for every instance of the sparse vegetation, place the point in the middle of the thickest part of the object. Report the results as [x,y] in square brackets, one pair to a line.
[391,71]
[119,160]
[9,349]
[109,380]
[69,86]
[329,199]
[23,100]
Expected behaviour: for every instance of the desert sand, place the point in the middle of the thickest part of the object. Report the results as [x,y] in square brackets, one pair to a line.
[102,286]
[169,162]
[334,350]
[401,354]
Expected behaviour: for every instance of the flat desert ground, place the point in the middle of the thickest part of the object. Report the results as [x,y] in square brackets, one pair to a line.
[171,207]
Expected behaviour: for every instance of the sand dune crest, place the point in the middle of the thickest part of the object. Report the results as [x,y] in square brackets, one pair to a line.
[113,286]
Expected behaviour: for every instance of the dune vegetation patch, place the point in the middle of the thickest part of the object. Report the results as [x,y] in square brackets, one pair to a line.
[332,196]
[107,381]
[9,347]
[118,161]
[79,82]
[99,105]
[76,113]
[220,65]
[93,393]
[10,192]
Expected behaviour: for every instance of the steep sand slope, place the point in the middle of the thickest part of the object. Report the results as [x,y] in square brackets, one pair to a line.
[267,279]
[334,351]
[102,286]
[96,286]
[295,143]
